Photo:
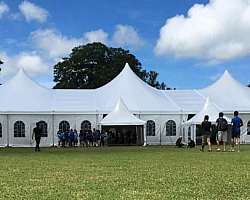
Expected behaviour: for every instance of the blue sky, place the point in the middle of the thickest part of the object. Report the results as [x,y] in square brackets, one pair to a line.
[198,41]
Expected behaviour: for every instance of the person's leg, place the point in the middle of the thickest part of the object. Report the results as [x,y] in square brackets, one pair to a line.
[209,144]
[224,138]
[204,141]
[37,144]
[218,137]
[233,141]
[238,143]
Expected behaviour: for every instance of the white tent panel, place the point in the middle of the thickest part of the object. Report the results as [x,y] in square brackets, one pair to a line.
[137,94]
[188,100]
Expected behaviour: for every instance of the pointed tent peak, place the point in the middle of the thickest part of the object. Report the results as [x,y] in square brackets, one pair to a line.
[127,66]
[121,116]
[23,80]
[127,70]
[226,75]
[121,106]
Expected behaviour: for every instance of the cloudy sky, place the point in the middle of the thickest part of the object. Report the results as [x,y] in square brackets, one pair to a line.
[189,42]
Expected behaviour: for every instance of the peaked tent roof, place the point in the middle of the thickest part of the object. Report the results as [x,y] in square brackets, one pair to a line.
[228,94]
[21,93]
[121,116]
[209,109]
[137,94]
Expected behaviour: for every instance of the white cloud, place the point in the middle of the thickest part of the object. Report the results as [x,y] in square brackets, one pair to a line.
[33,12]
[127,36]
[53,42]
[56,45]
[96,36]
[4,8]
[31,62]
[217,31]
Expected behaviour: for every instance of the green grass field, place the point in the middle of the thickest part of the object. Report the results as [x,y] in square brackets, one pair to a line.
[124,173]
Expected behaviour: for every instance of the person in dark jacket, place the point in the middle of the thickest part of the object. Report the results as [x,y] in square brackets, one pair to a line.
[37,132]
[206,133]
[222,127]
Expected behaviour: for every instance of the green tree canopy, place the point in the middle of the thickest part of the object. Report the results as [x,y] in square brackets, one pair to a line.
[93,65]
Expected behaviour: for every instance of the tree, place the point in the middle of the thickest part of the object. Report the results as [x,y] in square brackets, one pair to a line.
[93,65]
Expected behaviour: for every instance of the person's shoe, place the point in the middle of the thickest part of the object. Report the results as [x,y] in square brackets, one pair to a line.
[232,150]
[209,150]
[201,150]
[238,151]
[218,149]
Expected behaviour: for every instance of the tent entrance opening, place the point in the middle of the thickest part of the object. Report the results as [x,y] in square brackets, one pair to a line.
[124,135]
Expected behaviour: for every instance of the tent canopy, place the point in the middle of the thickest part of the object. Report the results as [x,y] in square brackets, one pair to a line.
[228,94]
[23,94]
[121,116]
[209,109]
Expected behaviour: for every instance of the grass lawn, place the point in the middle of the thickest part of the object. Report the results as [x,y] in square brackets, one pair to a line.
[124,173]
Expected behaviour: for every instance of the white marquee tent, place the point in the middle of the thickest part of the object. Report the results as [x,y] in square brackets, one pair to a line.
[22,99]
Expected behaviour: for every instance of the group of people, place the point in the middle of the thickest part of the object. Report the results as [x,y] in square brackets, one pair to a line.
[221,132]
[86,138]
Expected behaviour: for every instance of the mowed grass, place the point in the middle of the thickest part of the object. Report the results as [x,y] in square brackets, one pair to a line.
[124,173]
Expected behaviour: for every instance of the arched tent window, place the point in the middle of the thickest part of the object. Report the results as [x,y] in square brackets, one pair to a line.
[19,129]
[1,131]
[248,128]
[170,128]
[64,126]
[150,128]
[44,127]
[86,125]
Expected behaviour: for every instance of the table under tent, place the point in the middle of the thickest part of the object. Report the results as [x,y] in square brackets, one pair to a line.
[193,125]
[122,127]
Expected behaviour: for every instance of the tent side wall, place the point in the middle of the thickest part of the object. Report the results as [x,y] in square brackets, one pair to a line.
[160,137]
[29,122]
[4,125]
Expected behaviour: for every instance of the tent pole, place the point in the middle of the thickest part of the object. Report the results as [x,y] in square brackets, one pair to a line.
[8,136]
[145,135]
[53,129]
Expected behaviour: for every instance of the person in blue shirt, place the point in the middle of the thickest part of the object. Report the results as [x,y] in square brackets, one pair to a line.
[71,137]
[236,124]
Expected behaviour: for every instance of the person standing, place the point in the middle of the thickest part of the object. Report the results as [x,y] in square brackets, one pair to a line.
[37,132]
[222,126]
[75,138]
[206,133]
[236,124]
